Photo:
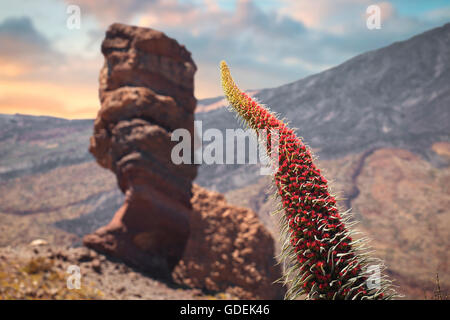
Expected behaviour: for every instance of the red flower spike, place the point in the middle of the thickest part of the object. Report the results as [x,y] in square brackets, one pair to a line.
[314,221]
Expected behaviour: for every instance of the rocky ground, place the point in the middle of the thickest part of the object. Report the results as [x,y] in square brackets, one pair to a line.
[40,272]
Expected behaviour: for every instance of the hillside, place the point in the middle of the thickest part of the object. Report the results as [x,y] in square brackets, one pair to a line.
[31,144]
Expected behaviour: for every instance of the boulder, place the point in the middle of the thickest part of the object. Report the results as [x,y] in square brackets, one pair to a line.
[229,250]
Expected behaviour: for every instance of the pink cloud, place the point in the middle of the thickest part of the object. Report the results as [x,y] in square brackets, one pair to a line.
[108,12]
[336,16]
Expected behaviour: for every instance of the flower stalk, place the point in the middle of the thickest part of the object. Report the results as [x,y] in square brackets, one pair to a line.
[323,258]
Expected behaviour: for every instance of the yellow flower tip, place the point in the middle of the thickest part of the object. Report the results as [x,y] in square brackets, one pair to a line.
[223,64]
[227,81]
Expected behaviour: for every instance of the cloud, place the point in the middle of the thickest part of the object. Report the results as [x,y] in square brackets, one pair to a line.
[280,44]
[266,43]
[108,11]
[247,37]
[31,104]
[66,99]
[23,29]
[23,48]
[394,27]
[267,47]
[323,14]
[35,78]
[441,14]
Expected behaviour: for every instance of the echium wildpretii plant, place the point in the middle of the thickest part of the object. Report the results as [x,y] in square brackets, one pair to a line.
[324,261]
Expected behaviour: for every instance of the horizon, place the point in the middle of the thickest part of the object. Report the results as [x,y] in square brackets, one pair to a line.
[52,70]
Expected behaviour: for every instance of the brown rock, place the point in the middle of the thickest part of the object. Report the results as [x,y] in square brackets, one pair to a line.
[142,57]
[97,266]
[82,255]
[146,92]
[229,250]
[121,290]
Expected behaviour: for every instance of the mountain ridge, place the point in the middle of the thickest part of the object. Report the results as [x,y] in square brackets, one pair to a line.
[373,100]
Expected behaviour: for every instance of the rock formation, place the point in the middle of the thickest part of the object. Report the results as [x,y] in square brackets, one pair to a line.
[146,92]
[229,250]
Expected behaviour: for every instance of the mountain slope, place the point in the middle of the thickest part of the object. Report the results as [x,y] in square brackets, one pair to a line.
[397,96]
[31,144]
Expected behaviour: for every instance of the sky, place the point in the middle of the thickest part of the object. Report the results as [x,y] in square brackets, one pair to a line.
[50,68]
